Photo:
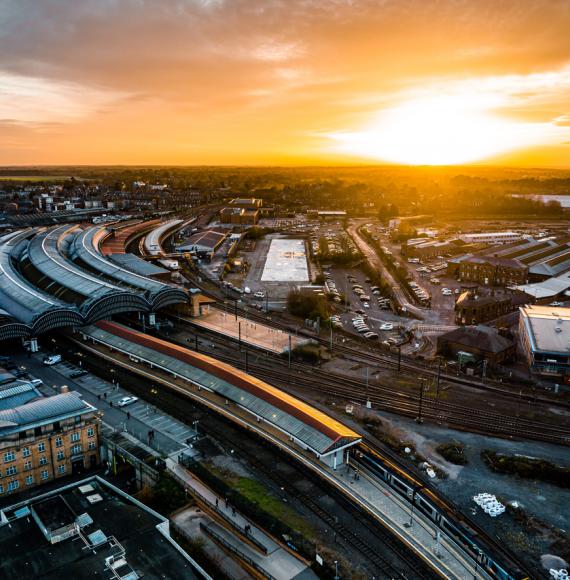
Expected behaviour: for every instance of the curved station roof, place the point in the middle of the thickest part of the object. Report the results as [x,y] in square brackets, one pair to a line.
[152,241]
[116,239]
[58,277]
[312,428]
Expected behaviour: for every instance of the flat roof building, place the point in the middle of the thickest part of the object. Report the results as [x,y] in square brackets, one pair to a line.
[491,237]
[544,334]
[89,529]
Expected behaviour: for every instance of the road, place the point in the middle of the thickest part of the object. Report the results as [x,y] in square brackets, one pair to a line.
[372,257]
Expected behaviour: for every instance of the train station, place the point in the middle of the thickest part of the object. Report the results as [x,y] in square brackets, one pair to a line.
[59,277]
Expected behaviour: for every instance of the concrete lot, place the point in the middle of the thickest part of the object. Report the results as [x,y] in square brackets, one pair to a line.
[252,333]
[275,290]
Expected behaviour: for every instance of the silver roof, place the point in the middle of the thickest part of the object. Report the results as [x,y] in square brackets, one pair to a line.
[548,328]
[43,411]
[17,395]
[46,257]
[152,241]
[317,441]
[18,296]
[82,247]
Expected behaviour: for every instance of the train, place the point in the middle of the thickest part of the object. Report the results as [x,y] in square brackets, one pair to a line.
[443,515]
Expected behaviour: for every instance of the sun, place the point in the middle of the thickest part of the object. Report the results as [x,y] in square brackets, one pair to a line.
[438,130]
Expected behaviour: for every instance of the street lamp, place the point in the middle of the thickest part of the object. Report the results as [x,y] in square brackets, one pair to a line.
[336,576]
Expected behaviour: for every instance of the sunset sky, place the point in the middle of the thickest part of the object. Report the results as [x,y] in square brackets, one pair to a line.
[284,82]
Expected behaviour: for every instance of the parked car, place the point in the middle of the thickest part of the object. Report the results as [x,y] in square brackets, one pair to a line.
[52,359]
[127,401]
[387,326]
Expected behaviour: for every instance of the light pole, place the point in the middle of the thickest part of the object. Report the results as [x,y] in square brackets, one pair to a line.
[419,418]
[411,522]
[336,576]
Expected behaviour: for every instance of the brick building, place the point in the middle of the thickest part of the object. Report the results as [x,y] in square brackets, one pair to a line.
[473,308]
[46,439]
[488,270]
[482,342]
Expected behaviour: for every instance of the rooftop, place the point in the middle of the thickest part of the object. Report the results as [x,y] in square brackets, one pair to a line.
[207,239]
[480,337]
[495,261]
[548,328]
[548,288]
[112,525]
[153,238]
[138,265]
[317,430]
[19,297]
[17,394]
[43,411]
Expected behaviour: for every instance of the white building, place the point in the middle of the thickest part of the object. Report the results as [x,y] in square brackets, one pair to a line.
[492,237]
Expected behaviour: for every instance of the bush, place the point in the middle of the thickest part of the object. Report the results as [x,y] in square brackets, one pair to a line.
[454,452]
[527,467]
[307,304]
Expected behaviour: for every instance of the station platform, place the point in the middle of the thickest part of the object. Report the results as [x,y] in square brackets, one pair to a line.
[278,562]
[252,333]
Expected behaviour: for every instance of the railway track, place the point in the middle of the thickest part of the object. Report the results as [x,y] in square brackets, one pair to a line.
[352,538]
[382,396]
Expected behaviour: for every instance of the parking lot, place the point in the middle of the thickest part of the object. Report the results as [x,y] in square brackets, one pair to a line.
[374,315]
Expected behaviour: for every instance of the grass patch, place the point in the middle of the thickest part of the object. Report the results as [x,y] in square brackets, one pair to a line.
[527,467]
[454,452]
[257,494]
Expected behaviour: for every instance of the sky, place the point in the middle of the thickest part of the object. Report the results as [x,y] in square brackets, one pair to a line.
[210,82]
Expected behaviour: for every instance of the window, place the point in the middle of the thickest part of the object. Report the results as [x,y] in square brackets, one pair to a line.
[91,444]
[42,447]
[26,452]
[60,455]
[61,469]
[45,474]
[27,466]
[90,432]
[43,460]
[76,449]
[13,485]
[75,437]
[29,479]
[1,488]
[11,470]
[58,441]
[10,456]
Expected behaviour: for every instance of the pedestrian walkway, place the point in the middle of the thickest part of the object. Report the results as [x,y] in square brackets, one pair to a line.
[278,561]
[144,421]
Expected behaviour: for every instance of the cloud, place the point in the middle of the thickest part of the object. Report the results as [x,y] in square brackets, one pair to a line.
[263,73]
[38,101]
